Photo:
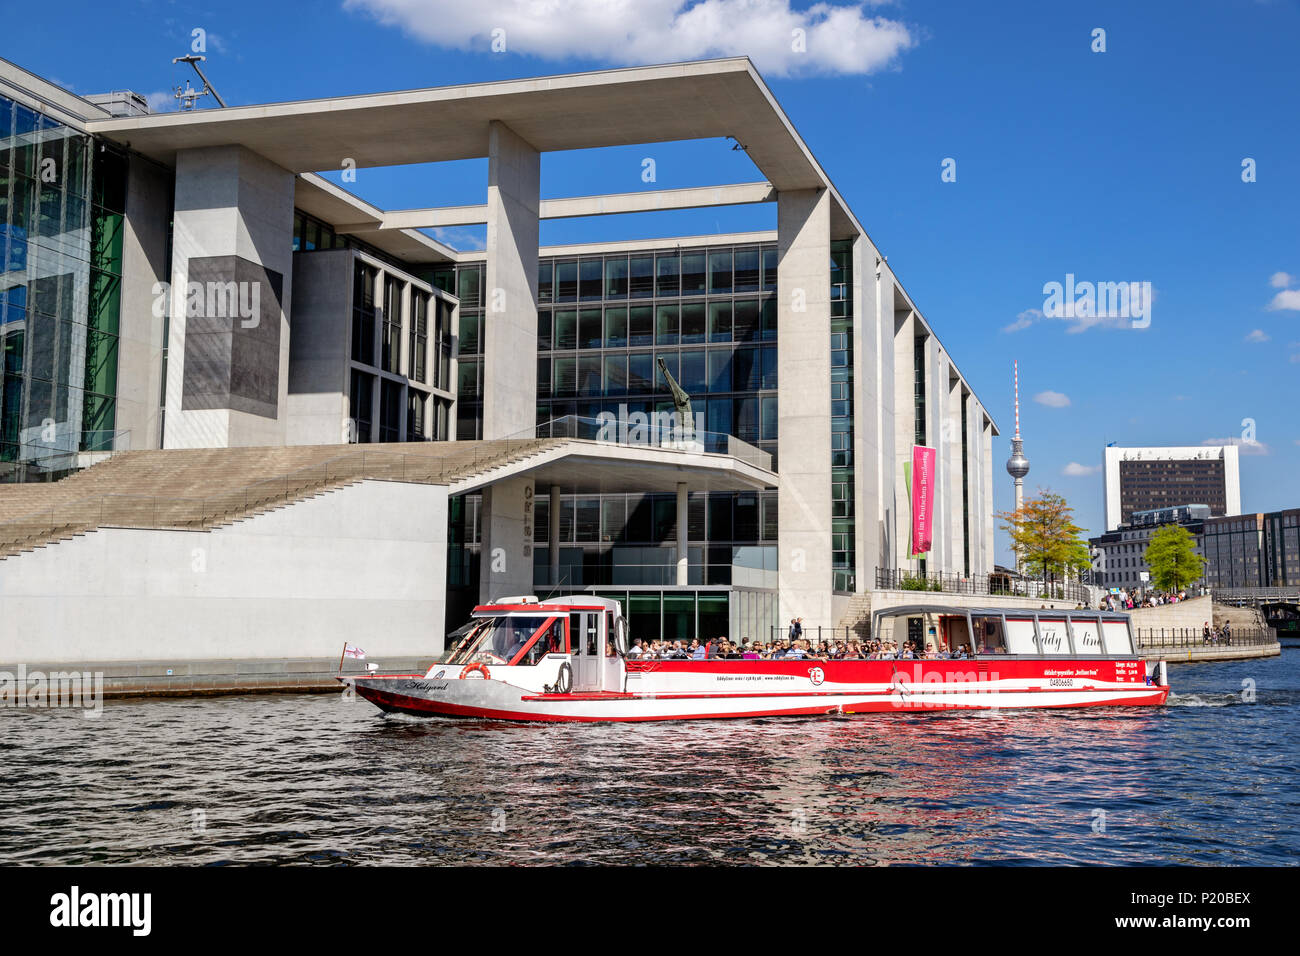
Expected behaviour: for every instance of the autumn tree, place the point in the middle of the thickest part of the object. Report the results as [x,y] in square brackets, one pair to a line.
[1171,556]
[1045,537]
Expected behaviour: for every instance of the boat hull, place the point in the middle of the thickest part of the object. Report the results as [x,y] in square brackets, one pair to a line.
[708,690]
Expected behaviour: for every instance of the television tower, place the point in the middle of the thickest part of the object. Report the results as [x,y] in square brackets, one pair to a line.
[1018,464]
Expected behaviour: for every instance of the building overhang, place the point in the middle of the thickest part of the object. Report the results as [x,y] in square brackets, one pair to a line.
[649,104]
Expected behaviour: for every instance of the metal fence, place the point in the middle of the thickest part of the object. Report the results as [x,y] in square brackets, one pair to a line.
[1152,637]
[898,579]
[816,636]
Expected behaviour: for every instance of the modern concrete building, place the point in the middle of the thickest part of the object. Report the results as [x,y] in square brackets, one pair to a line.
[188,280]
[1149,479]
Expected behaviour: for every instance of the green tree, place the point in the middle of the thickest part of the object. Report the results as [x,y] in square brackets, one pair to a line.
[1045,537]
[1172,557]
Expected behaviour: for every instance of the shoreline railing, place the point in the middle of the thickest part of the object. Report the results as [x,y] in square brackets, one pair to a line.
[1173,637]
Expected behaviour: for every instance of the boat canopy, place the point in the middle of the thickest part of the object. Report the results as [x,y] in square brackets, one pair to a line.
[1034,632]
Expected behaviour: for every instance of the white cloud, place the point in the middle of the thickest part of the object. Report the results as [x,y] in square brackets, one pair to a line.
[839,40]
[1288,299]
[1246,447]
[1076,470]
[1259,335]
[1052,399]
[163,101]
[1024,320]
[1280,280]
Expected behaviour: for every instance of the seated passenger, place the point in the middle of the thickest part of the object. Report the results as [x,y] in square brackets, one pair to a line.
[636,650]
[699,652]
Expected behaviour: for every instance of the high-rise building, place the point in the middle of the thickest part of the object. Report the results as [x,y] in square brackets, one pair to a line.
[1149,479]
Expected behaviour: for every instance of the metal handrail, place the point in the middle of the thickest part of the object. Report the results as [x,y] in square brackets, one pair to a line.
[1151,637]
[899,579]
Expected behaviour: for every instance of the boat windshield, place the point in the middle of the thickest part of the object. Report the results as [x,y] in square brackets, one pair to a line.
[496,640]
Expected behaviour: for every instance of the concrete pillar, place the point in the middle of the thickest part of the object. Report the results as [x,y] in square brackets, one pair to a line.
[506,556]
[554,537]
[140,333]
[683,537]
[228,341]
[510,291]
[803,424]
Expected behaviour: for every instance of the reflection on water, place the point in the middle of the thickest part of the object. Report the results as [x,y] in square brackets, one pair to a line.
[314,779]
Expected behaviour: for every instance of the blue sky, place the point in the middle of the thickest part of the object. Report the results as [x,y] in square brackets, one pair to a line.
[1123,165]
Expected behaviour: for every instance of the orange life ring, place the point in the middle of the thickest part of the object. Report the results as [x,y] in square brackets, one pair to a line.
[476,666]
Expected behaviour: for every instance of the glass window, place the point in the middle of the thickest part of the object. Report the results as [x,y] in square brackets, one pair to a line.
[747,271]
[719,370]
[544,377]
[544,330]
[469,340]
[666,325]
[467,286]
[545,277]
[747,370]
[616,278]
[719,321]
[616,374]
[613,517]
[720,272]
[769,320]
[719,517]
[745,517]
[641,322]
[587,519]
[693,277]
[640,373]
[745,324]
[694,374]
[589,328]
[746,418]
[641,282]
[693,323]
[769,426]
[769,366]
[667,273]
[769,268]
[566,329]
[615,328]
[720,413]
[589,370]
[566,377]
[589,280]
[566,281]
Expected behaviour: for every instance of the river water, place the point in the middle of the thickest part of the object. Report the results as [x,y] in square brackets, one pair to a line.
[314,779]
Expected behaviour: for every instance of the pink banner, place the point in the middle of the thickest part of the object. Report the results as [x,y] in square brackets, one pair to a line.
[922,498]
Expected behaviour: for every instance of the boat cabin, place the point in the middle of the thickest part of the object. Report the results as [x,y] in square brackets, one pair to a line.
[522,631]
[1009,632]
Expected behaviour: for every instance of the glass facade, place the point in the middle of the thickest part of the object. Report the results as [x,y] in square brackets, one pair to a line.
[61,220]
[400,353]
[843,526]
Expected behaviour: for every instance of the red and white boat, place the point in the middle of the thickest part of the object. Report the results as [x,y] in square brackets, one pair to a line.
[563,659]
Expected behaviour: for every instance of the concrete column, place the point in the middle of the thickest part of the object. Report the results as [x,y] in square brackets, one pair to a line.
[803,424]
[683,537]
[506,556]
[228,344]
[140,332]
[510,291]
[904,433]
[554,537]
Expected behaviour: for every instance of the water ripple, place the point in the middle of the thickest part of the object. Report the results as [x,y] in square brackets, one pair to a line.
[317,781]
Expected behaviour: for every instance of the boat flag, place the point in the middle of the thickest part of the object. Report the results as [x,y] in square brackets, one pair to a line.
[351,650]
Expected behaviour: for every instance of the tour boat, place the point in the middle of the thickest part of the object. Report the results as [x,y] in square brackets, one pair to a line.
[565,660]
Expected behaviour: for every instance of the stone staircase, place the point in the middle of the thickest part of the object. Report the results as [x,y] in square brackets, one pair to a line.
[857,616]
[211,487]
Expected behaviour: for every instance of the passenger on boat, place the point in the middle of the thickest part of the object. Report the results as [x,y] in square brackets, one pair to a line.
[636,650]
[698,651]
